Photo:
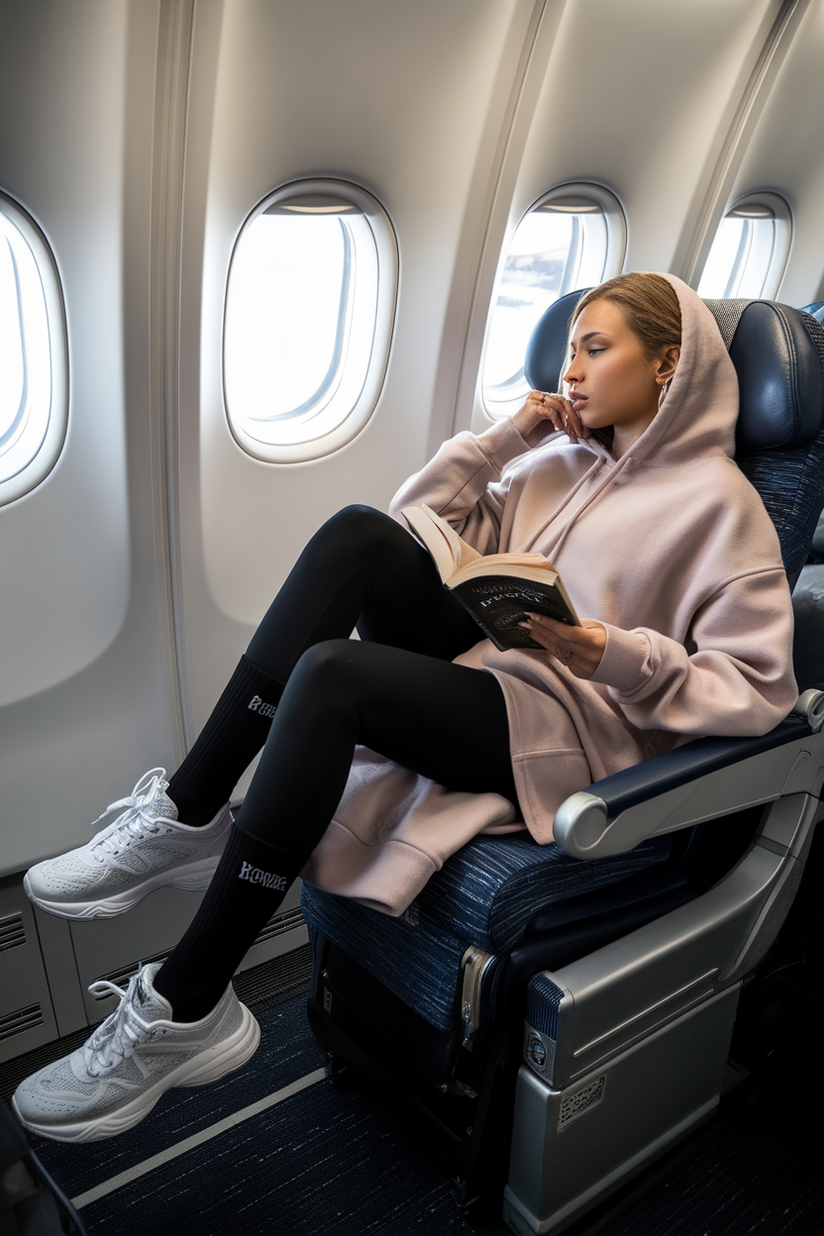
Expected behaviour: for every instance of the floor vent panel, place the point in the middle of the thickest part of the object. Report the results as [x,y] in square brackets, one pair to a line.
[12,932]
[20,1021]
[281,923]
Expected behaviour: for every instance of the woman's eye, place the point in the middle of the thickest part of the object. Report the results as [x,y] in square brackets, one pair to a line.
[594,351]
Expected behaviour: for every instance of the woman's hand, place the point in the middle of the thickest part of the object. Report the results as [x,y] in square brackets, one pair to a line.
[578,648]
[540,407]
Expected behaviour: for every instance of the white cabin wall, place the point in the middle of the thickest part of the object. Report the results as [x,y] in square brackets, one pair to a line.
[84,705]
[408,101]
[639,100]
[786,156]
[666,86]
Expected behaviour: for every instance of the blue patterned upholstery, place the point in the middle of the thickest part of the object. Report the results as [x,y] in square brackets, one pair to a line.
[543,999]
[791,485]
[484,895]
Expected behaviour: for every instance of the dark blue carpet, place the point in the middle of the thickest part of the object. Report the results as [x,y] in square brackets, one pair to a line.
[320,1162]
[332,1161]
[287,1051]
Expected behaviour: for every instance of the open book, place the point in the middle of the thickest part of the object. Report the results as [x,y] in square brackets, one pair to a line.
[496,589]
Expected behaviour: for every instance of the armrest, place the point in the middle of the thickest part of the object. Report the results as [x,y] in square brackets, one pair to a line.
[703,780]
[610,998]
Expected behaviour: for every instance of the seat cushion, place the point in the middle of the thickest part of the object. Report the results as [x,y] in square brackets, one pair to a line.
[484,896]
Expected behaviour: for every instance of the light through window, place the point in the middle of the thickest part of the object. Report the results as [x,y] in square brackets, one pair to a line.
[32,356]
[306,323]
[569,240]
[749,252]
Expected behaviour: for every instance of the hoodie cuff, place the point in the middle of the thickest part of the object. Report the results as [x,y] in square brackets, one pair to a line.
[626,664]
[502,443]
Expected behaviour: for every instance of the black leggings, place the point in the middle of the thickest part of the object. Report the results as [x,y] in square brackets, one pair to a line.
[394,691]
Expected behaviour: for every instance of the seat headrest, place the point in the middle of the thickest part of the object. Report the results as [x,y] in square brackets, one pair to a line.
[547,347]
[780,379]
[779,370]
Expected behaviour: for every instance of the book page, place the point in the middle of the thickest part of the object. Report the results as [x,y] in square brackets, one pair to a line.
[523,566]
[433,537]
[449,551]
[462,553]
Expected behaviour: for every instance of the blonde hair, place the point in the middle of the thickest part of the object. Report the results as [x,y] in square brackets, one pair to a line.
[650,307]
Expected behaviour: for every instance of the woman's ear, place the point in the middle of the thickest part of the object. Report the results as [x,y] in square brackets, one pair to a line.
[667,363]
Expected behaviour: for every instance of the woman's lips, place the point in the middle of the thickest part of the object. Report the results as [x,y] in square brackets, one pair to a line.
[577,401]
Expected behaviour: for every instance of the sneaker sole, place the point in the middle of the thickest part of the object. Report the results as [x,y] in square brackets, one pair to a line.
[195,877]
[207,1066]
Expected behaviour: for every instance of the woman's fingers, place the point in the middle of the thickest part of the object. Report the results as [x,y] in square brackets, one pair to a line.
[541,406]
[563,416]
[578,648]
[531,417]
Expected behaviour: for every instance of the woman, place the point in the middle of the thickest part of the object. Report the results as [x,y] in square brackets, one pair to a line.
[629,487]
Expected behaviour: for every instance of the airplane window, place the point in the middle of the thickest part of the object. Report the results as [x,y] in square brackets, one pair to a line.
[750,249]
[572,238]
[309,308]
[33,403]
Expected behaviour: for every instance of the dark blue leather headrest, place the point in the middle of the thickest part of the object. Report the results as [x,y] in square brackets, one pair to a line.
[779,376]
[779,371]
[546,350]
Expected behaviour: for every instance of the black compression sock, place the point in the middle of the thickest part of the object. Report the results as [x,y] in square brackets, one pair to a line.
[250,883]
[227,744]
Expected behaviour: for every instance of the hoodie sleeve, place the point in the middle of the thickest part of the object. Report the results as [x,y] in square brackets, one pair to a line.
[462,483]
[738,679]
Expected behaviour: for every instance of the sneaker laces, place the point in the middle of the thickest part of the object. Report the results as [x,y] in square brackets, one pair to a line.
[138,820]
[116,1037]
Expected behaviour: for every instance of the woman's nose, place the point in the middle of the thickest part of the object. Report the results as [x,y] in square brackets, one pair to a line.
[573,373]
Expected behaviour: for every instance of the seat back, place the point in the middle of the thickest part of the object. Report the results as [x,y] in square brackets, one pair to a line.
[778,353]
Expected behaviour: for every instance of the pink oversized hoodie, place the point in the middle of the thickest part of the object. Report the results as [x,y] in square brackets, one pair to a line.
[669,547]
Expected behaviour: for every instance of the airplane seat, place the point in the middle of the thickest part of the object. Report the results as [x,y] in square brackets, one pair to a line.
[575,1001]
[808,594]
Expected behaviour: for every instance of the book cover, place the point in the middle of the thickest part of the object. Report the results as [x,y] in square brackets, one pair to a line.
[498,590]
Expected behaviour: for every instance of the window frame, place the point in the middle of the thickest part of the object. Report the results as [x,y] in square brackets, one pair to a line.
[366,401]
[614,257]
[47,454]
[782,244]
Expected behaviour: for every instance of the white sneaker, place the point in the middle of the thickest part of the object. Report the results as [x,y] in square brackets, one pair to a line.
[143,849]
[115,1079]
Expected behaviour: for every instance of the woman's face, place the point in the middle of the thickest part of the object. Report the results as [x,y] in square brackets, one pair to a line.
[611,381]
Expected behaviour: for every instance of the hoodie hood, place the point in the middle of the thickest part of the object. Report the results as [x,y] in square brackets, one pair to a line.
[696,420]
[698,414]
